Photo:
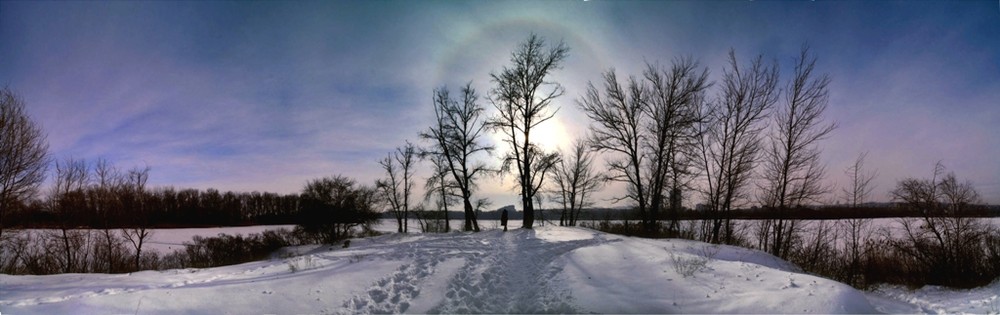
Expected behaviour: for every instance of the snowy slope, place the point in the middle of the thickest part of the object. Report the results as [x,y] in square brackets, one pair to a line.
[550,269]
[937,300]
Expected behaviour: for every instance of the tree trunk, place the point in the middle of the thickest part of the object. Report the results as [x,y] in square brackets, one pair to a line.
[67,251]
[529,212]
[471,223]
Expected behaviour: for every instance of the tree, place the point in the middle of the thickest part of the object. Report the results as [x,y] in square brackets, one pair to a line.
[856,193]
[23,154]
[791,168]
[650,124]
[945,241]
[860,182]
[676,97]
[575,181]
[617,127]
[398,184]
[440,188]
[106,204]
[522,105]
[730,142]
[333,206]
[139,228]
[68,202]
[456,137]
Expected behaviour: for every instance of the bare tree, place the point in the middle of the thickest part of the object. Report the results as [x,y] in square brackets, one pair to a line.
[106,204]
[440,188]
[139,229]
[651,125]
[857,229]
[676,97]
[68,202]
[522,105]
[398,184]
[456,136]
[860,185]
[23,153]
[575,181]
[617,115]
[792,170]
[730,144]
[944,240]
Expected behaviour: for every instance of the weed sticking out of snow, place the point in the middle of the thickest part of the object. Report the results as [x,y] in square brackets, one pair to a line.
[688,265]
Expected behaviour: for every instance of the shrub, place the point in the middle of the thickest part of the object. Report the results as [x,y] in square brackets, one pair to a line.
[226,249]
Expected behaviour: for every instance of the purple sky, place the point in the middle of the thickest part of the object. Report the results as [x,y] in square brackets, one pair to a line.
[266,95]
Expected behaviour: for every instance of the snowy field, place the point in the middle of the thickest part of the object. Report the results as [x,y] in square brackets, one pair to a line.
[550,269]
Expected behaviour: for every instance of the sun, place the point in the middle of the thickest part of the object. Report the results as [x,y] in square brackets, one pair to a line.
[551,135]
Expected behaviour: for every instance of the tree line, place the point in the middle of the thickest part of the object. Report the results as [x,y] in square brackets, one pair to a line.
[98,194]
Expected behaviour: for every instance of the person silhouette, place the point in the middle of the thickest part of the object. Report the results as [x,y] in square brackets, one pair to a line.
[503,219]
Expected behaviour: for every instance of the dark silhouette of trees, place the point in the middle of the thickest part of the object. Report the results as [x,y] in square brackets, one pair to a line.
[575,182]
[441,188]
[521,106]
[165,207]
[650,124]
[106,203]
[457,136]
[860,185]
[333,206]
[139,226]
[617,127]
[730,144]
[944,245]
[398,184]
[792,172]
[857,230]
[66,201]
[676,97]
[23,154]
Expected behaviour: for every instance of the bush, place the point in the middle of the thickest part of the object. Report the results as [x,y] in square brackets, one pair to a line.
[333,207]
[225,249]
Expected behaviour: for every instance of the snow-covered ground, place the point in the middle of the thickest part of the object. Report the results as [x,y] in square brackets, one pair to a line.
[549,269]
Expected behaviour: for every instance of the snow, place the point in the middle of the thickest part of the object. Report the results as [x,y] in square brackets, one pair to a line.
[937,300]
[546,270]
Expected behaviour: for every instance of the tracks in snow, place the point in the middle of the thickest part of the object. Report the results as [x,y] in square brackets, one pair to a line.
[513,272]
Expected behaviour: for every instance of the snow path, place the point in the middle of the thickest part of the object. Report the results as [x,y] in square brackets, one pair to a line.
[508,272]
[937,300]
[517,274]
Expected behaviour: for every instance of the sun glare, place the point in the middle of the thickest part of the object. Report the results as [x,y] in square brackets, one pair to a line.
[550,135]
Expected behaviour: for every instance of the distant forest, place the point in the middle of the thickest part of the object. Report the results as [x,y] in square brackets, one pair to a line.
[163,208]
[186,208]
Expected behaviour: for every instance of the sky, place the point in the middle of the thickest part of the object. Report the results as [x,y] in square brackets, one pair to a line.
[265,96]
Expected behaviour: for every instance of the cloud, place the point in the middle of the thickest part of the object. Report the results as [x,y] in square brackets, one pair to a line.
[265,96]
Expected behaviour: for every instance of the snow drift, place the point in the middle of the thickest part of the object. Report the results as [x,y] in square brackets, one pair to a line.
[549,269]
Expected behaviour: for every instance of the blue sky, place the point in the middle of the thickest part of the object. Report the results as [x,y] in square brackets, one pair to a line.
[267,95]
